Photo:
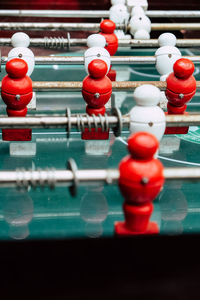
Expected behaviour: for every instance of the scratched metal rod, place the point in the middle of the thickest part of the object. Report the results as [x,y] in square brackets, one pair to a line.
[65,43]
[79,60]
[90,26]
[60,121]
[52,178]
[95,13]
[57,121]
[77,85]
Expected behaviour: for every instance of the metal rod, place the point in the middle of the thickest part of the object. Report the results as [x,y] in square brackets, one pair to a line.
[64,43]
[51,26]
[77,85]
[23,178]
[95,13]
[154,43]
[79,60]
[182,173]
[91,26]
[174,26]
[55,13]
[61,121]
[183,120]
[173,13]
[52,178]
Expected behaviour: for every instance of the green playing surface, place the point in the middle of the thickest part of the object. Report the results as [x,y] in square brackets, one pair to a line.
[45,213]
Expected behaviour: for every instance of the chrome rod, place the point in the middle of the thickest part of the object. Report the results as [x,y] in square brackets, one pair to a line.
[64,43]
[95,13]
[90,26]
[182,173]
[52,178]
[61,121]
[55,13]
[79,60]
[77,85]
[173,13]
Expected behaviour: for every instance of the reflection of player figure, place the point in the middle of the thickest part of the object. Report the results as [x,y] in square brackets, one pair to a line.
[18,213]
[181,87]
[141,179]
[174,209]
[96,91]
[93,211]
[16,92]
[107,30]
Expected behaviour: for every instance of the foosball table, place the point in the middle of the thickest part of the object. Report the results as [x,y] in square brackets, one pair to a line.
[100,143]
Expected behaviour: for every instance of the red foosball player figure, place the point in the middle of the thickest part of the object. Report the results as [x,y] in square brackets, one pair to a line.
[16,92]
[96,91]
[107,30]
[181,87]
[141,180]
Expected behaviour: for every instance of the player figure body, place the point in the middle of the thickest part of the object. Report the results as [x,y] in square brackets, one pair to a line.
[166,56]
[140,24]
[118,13]
[181,87]
[96,44]
[16,92]
[141,180]
[146,115]
[20,42]
[96,91]
[107,30]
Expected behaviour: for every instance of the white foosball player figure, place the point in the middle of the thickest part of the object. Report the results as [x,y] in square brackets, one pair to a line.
[140,24]
[166,56]
[132,3]
[146,115]
[20,42]
[114,2]
[120,15]
[96,44]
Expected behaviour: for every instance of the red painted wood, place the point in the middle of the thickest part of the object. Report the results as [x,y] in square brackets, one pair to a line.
[140,165]
[95,135]
[16,134]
